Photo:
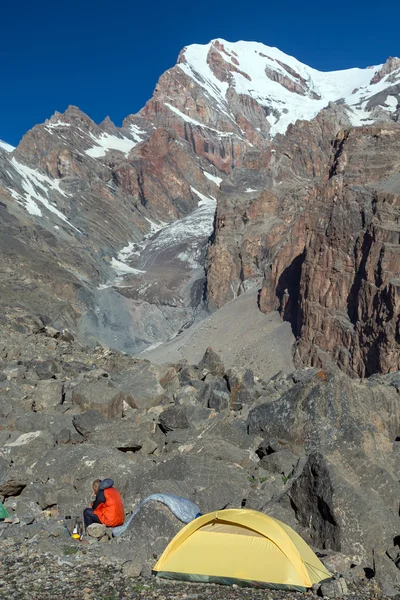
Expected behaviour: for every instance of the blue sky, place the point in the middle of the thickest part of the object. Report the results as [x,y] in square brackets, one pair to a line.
[106,57]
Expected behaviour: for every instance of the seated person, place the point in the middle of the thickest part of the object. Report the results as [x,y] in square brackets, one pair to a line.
[107,507]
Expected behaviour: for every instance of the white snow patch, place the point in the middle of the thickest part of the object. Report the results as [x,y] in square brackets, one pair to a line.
[392,102]
[56,125]
[249,190]
[137,133]
[189,258]
[6,147]
[107,142]
[213,178]
[123,269]
[204,200]
[154,227]
[36,187]
[151,347]
[197,123]
[126,252]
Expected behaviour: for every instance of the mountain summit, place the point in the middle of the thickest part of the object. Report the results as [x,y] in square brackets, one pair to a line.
[285,88]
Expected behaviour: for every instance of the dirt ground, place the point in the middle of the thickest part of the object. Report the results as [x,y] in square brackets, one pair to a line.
[240,333]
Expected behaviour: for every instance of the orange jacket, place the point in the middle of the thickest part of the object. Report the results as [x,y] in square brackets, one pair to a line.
[111,512]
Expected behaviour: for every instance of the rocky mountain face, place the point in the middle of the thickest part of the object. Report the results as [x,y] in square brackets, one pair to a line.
[89,210]
[313,219]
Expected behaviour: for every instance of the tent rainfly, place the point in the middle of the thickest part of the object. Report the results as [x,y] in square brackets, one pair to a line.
[243,547]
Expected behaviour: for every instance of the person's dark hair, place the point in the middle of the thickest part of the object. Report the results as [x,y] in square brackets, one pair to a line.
[96,482]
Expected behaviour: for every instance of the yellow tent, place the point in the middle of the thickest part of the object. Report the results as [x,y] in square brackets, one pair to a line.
[244,547]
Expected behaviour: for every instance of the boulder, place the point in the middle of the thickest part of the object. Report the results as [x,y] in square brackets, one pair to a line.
[48,395]
[241,387]
[187,395]
[347,429]
[100,396]
[269,446]
[27,448]
[86,422]
[15,371]
[173,417]
[218,400]
[11,483]
[337,562]
[133,568]
[128,436]
[211,483]
[74,467]
[282,462]
[336,588]
[152,529]
[68,436]
[211,363]
[96,530]
[216,392]
[47,369]
[189,374]
[342,513]
[140,386]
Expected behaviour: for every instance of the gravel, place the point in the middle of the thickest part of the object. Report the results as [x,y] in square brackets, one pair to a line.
[85,574]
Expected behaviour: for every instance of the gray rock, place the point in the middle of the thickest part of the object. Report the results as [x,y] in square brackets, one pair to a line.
[86,422]
[282,462]
[46,369]
[189,374]
[29,447]
[219,400]
[337,494]
[11,483]
[141,387]
[74,467]
[96,530]
[268,446]
[241,387]
[337,562]
[211,363]
[187,395]
[52,422]
[133,568]
[68,436]
[99,396]
[48,395]
[128,436]
[15,371]
[174,417]
[66,336]
[387,575]
[212,484]
[336,588]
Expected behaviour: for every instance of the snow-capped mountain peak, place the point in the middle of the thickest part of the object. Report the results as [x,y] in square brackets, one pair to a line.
[286,88]
[6,147]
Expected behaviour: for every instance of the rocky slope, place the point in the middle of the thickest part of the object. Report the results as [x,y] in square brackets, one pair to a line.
[313,448]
